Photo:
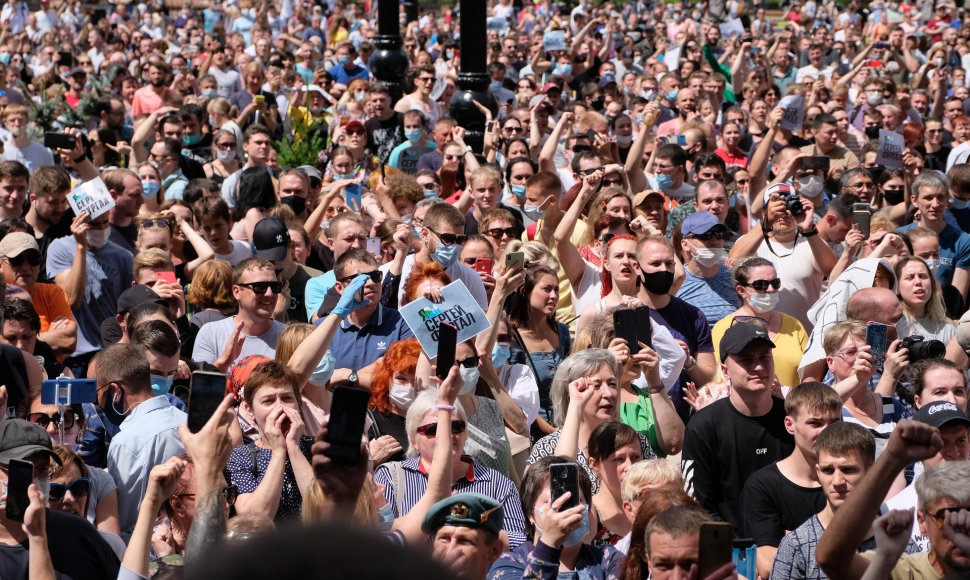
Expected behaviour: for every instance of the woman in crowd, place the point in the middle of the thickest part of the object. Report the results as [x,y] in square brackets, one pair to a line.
[892,188]
[659,499]
[585,394]
[211,293]
[222,117]
[559,537]
[392,392]
[225,157]
[151,183]
[256,196]
[315,396]
[158,230]
[613,449]
[923,312]
[273,473]
[757,284]
[421,80]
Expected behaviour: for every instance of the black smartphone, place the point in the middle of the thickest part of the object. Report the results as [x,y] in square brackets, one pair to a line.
[818,162]
[861,216]
[19,476]
[447,341]
[490,126]
[591,135]
[644,325]
[877,337]
[58,141]
[715,547]
[625,327]
[383,175]
[348,412]
[206,392]
[65,58]
[563,477]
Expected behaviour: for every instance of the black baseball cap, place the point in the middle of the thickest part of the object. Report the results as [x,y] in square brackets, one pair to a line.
[939,413]
[271,239]
[137,294]
[739,336]
[20,439]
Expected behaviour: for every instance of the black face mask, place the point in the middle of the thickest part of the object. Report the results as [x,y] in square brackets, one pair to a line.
[657,282]
[597,104]
[893,197]
[295,202]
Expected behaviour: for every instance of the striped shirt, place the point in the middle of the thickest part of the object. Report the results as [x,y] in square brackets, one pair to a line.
[478,479]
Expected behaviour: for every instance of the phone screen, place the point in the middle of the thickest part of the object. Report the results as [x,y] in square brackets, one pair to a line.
[19,475]
[625,326]
[205,394]
[562,478]
[877,339]
[644,326]
[352,196]
[447,339]
[166,277]
[348,413]
[862,216]
[715,547]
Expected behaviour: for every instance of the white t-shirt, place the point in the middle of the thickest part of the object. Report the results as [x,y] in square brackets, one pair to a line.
[240,251]
[905,500]
[522,387]
[801,282]
[34,155]
[456,271]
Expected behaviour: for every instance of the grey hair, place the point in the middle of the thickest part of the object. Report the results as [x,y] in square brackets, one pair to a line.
[428,202]
[423,403]
[947,479]
[577,365]
[930,179]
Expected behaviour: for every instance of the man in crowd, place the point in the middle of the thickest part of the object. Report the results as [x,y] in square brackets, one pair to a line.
[464,531]
[708,284]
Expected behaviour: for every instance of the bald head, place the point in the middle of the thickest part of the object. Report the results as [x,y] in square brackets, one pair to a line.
[874,305]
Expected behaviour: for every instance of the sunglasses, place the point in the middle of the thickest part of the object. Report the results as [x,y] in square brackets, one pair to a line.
[450,239]
[706,237]
[756,320]
[580,148]
[376,276]
[504,338]
[515,130]
[612,183]
[762,285]
[159,222]
[355,131]
[31,258]
[940,516]
[260,288]
[79,488]
[498,233]
[44,420]
[332,211]
[470,362]
[431,429]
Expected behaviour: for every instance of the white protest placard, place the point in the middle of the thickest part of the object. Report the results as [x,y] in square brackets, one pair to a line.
[555,40]
[672,57]
[890,151]
[794,112]
[92,197]
[457,307]
[731,28]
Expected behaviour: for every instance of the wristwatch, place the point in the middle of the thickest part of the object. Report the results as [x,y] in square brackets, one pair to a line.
[352,377]
[691,363]
[809,233]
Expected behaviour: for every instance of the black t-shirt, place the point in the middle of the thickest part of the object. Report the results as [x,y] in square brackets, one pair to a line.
[320,257]
[384,136]
[59,230]
[722,448]
[389,424]
[77,551]
[296,312]
[124,236]
[772,505]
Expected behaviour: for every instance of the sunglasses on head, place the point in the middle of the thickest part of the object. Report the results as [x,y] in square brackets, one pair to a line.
[44,420]
[376,276]
[450,239]
[706,237]
[756,320]
[32,258]
[431,429]
[762,285]
[160,222]
[260,288]
[580,148]
[79,488]
[497,233]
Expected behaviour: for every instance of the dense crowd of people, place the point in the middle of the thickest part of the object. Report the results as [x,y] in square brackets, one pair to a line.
[781,203]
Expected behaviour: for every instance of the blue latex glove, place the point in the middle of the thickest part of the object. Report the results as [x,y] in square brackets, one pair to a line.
[348,300]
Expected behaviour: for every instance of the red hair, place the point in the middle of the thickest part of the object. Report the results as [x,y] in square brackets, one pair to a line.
[605,277]
[420,273]
[401,357]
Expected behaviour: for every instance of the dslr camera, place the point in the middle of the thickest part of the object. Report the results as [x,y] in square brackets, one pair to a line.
[922,349]
[794,204]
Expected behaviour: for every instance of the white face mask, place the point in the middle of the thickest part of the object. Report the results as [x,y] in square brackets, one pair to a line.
[43,486]
[18,132]
[225,155]
[470,378]
[762,303]
[873,98]
[98,238]
[705,257]
[933,264]
[809,185]
[402,395]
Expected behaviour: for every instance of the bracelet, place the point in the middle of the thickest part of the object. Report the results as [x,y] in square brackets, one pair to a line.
[809,233]
[692,365]
[444,407]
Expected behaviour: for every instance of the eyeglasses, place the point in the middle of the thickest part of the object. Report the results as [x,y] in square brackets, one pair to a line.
[755,320]
[431,429]
[231,493]
[762,285]
[354,131]
[708,236]
[44,420]
[504,338]
[848,354]
[940,516]
[499,233]
[159,222]
[470,362]
[260,288]
[934,131]
[332,211]
[863,185]
[376,276]
[79,488]
[31,258]
[450,239]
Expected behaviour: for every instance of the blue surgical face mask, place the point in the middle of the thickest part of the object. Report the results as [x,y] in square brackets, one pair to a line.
[191,139]
[161,385]
[385,514]
[565,69]
[344,175]
[957,203]
[209,94]
[430,192]
[664,181]
[577,535]
[672,95]
[501,353]
[150,188]
[414,135]
[518,191]
[343,59]
[324,369]
[446,255]
[495,85]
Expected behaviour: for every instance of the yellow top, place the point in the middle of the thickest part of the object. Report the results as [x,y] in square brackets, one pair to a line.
[789,346]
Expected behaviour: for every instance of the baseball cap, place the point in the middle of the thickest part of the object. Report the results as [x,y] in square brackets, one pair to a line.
[137,294]
[271,239]
[939,413]
[16,243]
[313,173]
[781,189]
[354,125]
[20,439]
[550,86]
[646,194]
[740,336]
[700,222]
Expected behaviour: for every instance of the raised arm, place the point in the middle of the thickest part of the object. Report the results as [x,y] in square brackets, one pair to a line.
[634,159]
[572,263]
[162,482]
[202,248]
[548,153]
[759,163]
[73,280]
[580,392]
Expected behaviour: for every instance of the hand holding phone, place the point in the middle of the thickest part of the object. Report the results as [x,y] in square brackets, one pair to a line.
[513,258]
[168,277]
[564,477]
[348,413]
[715,547]
[20,474]
[206,392]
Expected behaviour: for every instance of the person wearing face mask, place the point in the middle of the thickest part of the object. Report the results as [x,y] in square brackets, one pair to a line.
[559,537]
[707,284]
[76,548]
[754,281]
[149,433]
[392,392]
[20,147]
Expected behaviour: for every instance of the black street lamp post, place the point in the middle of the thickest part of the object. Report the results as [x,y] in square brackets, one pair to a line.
[473,78]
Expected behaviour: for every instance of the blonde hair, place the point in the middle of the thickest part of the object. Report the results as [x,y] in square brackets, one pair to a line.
[536,253]
[152,259]
[315,501]
[290,339]
[649,473]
